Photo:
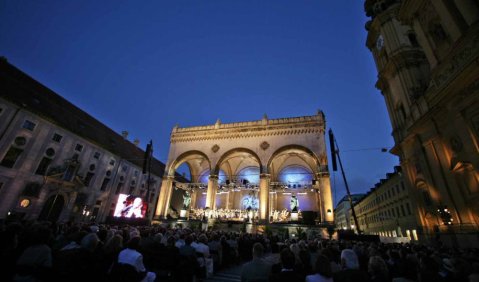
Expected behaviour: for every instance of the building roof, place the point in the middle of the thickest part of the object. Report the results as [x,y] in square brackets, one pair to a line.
[397,171]
[27,93]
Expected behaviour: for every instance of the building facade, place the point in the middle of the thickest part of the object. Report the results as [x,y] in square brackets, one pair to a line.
[59,163]
[387,210]
[342,212]
[426,54]
[272,168]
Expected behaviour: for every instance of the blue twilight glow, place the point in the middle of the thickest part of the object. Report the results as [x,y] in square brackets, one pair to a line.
[295,175]
[206,174]
[250,173]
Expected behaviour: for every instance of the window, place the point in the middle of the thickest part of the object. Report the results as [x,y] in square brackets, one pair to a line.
[78,148]
[43,166]
[88,178]
[394,214]
[96,155]
[50,152]
[20,141]
[1,110]
[29,125]
[11,157]
[397,189]
[402,186]
[408,208]
[389,194]
[397,211]
[57,137]
[118,188]
[104,184]
[402,210]
[132,188]
[98,202]
[112,162]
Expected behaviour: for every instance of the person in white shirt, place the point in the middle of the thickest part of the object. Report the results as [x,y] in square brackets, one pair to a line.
[202,247]
[131,256]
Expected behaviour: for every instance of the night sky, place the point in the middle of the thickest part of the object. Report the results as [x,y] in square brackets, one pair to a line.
[144,66]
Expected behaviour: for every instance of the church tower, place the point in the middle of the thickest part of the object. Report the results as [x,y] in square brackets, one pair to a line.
[426,54]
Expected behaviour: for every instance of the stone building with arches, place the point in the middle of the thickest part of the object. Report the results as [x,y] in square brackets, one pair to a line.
[259,166]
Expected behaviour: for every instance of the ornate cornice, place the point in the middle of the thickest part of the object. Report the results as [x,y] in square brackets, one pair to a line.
[287,126]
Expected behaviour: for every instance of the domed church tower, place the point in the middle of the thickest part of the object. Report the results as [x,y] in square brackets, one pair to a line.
[426,54]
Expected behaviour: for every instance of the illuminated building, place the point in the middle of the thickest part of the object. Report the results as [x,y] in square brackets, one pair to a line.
[264,166]
[59,163]
[342,214]
[426,54]
[387,210]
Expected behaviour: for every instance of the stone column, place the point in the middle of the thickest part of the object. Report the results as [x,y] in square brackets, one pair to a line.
[227,206]
[326,198]
[194,195]
[164,197]
[448,21]
[65,215]
[211,192]
[264,197]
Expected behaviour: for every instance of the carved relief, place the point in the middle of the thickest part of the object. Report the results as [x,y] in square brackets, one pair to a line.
[215,148]
[264,145]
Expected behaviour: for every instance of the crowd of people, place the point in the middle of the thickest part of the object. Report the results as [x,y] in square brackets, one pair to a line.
[42,251]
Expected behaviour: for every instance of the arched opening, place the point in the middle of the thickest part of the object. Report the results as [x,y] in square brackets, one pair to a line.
[184,172]
[294,185]
[52,208]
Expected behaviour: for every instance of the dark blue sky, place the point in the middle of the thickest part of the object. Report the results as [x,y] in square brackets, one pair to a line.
[144,66]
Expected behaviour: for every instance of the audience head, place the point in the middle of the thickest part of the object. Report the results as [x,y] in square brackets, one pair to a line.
[287,259]
[377,267]
[90,241]
[134,243]
[323,266]
[349,259]
[258,250]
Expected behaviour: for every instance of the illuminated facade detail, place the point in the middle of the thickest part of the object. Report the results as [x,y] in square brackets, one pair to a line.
[428,75]
[265,164]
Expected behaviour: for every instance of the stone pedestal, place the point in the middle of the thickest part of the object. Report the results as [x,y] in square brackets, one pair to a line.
[294,216]
[183,213]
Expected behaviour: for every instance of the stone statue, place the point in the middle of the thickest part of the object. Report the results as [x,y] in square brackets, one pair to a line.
[293,204]
[186,200]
